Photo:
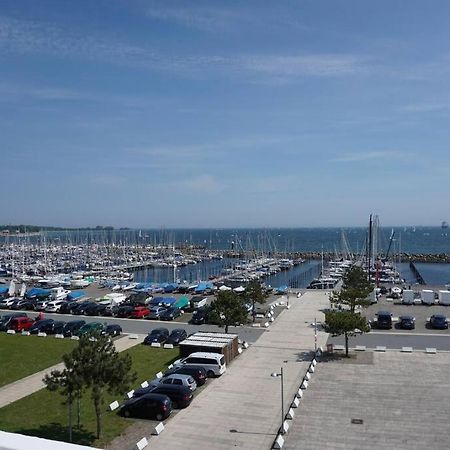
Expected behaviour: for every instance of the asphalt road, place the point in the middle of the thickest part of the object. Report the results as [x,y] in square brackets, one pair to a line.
[144,326]
[397,340]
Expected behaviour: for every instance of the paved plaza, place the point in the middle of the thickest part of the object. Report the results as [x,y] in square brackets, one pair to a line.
[403,401]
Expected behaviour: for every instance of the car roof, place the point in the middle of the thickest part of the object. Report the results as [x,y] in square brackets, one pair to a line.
[179,375]
[159,330]
[204,355]
[439,316]
[384,313]
[406,317]
[178,330]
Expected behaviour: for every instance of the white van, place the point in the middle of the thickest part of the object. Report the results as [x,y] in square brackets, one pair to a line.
[213,363]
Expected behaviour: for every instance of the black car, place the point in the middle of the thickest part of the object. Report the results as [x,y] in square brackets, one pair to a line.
[200,315]
[177,335]
[439,321]
[181,396]
[6,319]
[149,406]
[407,322]
[170,313]
[67,307]
[71,328]
[113,330]
[384,320]
[125,311]
[94,309]
[196,372]
[81,308]
[157,335]
[42,326]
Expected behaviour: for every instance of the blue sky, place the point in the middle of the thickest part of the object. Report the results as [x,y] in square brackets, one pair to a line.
[224,114]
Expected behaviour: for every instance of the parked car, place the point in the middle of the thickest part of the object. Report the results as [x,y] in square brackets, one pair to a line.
[439,321]
[42,326]
[198,301]
[81,307]
[196,372]
[113,330]
[7,302]
[94,309]
[170,313]
[41,305]
[149,406]
[157,335]
[21,323]
[91,327]
[71,328]
[176,336]
[180,379]
[181,396]
[140,312]
[200,316]
[155,312]
[6,319]
[58,327]
[125,311]
[54,305]
[213,363]
[406,322]
[384,320]
[67,307]
[23,304]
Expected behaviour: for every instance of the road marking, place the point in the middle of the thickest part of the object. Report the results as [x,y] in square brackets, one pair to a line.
[377,333]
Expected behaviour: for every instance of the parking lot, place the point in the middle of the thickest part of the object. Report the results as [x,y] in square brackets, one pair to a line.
[419,311]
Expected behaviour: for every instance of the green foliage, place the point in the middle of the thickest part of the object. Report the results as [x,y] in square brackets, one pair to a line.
[345,322]
[228,309]
[96,365]
[255,293]
[355,290]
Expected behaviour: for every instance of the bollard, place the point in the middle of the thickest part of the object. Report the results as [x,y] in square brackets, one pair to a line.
[168,345]
[10,332]
[114,405]
[295,403]
[75,338]
[304,384]
[42,334]
[307,376]
[144,384]
[285,426]
[59,336]
[159,375]
[299,393]
[158,429]
[141,444]
[130,394]
[290,414]
[155,344]
[279,442]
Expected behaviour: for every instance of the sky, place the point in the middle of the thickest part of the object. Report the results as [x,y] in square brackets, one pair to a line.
[224,114]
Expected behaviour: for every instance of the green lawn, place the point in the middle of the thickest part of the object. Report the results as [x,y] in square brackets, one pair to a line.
[26,416]
[21,356]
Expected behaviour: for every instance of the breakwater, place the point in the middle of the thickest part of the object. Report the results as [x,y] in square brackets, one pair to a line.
[328,256]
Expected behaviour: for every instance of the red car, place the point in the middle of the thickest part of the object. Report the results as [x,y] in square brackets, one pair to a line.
[139,312]
[21,323]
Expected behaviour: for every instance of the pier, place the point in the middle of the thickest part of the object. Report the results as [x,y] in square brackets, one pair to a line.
[416,273]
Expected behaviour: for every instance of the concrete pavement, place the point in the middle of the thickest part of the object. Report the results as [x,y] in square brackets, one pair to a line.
[28,385]
[400,401]
[242,408]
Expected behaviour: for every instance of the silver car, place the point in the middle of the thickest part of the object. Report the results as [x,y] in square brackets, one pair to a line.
[180,380]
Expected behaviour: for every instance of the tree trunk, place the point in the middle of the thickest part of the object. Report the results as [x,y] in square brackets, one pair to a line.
[254,311]
[78,410]
[70,420]
[346,343]
[226,328]
[98,414]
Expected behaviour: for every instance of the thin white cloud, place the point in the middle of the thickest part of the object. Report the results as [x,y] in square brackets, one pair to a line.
[366,156]
[27,37]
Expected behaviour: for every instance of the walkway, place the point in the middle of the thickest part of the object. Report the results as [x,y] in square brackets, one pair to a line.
[242,408]
[28,385]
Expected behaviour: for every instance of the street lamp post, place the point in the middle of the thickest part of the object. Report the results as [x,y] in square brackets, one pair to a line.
[275,374]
